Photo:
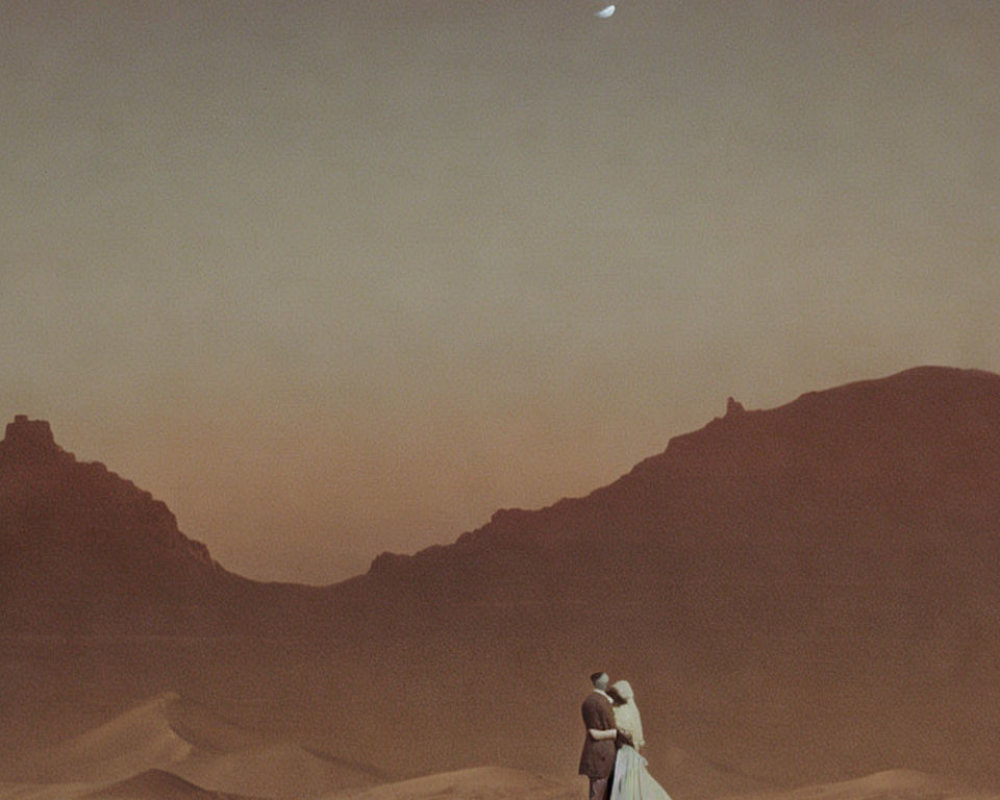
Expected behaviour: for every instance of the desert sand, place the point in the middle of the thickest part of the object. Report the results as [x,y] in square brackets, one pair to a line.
[172,747]
[169,748]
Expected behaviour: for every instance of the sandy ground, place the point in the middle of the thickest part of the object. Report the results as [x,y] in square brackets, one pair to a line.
[490,783]
[169,748]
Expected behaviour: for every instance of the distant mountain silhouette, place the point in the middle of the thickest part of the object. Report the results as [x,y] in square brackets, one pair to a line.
[887,487]
[83,550]
[802,593]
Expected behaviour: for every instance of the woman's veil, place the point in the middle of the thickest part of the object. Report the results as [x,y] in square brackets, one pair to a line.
[627,716]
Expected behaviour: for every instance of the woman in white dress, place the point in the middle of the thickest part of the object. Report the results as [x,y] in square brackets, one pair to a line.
[631,780]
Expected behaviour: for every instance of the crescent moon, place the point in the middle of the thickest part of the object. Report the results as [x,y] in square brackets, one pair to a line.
[604,13]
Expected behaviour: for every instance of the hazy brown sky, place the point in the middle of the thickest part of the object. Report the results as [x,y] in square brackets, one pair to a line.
[333,278]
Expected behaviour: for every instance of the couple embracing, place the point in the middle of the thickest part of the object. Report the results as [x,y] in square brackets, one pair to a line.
[611,749]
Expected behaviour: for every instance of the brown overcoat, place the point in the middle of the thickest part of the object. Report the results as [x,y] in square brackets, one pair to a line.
[598,757]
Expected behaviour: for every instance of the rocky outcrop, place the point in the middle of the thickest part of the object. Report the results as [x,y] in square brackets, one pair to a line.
[50,498]
[28,440]
[84,550]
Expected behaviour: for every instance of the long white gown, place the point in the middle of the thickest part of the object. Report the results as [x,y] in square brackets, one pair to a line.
[631,780]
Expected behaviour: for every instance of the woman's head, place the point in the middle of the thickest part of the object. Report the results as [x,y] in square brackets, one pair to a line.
[621,691]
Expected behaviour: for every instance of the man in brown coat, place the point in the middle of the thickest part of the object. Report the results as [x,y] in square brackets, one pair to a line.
[598,757]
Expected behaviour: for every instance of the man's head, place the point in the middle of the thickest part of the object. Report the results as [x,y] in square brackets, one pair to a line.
[600,680]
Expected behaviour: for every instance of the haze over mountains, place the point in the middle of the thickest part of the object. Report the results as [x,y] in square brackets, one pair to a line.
[807,593]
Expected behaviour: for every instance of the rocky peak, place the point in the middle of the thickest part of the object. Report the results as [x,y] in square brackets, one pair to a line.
[733,406]
[50,496]
[31,439]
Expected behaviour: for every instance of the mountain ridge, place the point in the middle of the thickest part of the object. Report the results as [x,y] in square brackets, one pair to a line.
[800,593]
[83,550]
[820,470]
[920,449]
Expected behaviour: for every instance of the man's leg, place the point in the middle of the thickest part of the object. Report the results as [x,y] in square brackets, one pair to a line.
[598,789]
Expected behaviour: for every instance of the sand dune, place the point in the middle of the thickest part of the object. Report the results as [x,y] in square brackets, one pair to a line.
[481,783]
[494,783]
[182,746]
[150,785]
[690,776]
[278,771]
[155,784]
[896,784]
[139,739]
[43,791]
